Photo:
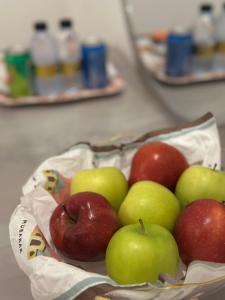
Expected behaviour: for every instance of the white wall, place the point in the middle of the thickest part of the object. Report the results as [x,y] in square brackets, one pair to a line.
[103,18]
[18,16]
[99,17]
[149,15]
[92,17]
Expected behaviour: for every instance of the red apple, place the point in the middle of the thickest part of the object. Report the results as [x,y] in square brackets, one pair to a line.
[158,162]
[200,231]
[82,227]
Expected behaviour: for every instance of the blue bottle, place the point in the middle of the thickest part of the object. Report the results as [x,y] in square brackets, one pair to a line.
[179,53]
[94,64]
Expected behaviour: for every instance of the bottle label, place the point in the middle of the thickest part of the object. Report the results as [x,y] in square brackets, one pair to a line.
[46,71]
[220,47]
[70,69]
[205,51]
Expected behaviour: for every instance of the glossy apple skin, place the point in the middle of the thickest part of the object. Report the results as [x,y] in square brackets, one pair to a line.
[158,162]
[151,202]
[199,182]
[134,256]
[109,182]
[83,229]
[200,231]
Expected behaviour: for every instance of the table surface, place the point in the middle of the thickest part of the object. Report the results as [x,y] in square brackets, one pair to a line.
[29,135]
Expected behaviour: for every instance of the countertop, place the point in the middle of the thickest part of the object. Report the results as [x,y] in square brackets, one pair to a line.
[29,135]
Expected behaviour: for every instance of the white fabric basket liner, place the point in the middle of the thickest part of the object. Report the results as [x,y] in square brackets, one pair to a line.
[52,278]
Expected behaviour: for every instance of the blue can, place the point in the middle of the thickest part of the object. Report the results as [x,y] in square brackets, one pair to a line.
[94,61]
[179,53]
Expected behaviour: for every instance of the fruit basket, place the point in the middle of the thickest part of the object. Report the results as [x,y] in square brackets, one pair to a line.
[53,277]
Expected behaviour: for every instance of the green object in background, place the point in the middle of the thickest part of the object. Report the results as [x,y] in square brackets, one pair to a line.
[19,67]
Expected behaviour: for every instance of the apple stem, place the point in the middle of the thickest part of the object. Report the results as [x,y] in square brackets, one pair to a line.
[142,225]
[66,211]
[214,167]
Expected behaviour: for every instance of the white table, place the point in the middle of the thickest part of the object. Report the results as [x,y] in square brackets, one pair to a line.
[31,134]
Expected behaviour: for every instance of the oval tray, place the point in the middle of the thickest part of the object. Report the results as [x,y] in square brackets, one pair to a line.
[115,86]
[155,63]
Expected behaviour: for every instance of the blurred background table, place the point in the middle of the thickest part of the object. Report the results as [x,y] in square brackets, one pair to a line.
[29,135]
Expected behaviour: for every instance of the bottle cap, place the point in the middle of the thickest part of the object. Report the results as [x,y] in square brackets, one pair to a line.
[66,23]
[40,26]
[206,7]
[92,41]
[180,30]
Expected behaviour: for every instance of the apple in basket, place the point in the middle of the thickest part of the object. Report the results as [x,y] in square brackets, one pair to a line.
[198,182]
[139,253]
[158,162]
[82,227]
[200,231]
[151,202]
[109,182]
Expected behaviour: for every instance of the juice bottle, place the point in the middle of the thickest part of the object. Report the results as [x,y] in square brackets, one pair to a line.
[69,56]
[45,60]
[204,40]
[219,57]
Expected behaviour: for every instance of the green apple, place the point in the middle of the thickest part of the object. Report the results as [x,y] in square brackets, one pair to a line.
[106,181]
[139,253]
[151,202]
[199,182]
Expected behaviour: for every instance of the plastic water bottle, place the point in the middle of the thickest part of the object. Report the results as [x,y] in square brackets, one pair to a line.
[69,56]
[45,61]
[219,57]
[204,40]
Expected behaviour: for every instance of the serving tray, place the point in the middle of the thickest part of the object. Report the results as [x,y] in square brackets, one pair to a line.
[154,61]
[115,86]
